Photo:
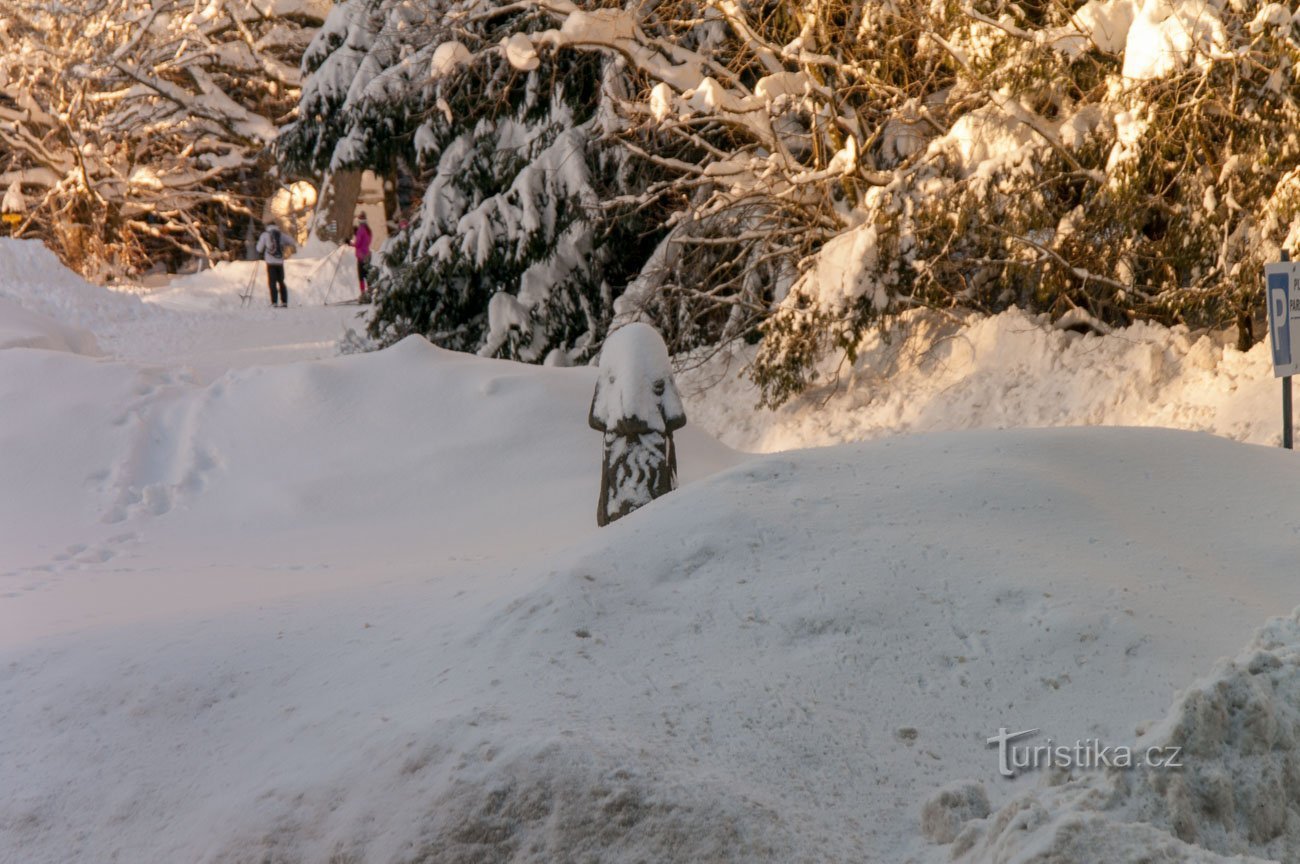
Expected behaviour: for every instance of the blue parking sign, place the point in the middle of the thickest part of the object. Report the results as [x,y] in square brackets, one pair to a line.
[1282,293]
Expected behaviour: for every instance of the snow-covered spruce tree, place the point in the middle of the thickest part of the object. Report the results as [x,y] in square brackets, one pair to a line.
[138,129]
[516,250]
[756,137]
[513,252]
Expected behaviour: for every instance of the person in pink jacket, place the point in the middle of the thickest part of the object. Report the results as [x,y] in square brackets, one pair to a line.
[361,238]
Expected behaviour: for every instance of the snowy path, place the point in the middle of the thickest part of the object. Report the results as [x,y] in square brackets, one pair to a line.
[202,321]
[213,341]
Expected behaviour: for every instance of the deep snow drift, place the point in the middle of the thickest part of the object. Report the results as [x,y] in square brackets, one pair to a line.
[358,610]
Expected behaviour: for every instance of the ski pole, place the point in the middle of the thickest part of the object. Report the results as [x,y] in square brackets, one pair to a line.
[247,296]
[337,264]
[322,294]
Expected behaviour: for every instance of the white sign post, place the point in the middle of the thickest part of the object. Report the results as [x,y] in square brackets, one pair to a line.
[1282,293]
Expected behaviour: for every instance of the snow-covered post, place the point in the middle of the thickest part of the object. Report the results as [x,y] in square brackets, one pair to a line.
[637,406]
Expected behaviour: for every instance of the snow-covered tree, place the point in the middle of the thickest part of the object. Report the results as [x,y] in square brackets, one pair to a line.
[139,130]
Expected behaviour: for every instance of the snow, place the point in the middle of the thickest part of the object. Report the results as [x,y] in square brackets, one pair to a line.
[448,57]
[1106,23]
[1012,369]
[306,607]
[773,87]
[1166,36]
[845,269]
[1155,38]
[13,201]
[20,328]
[198,319]
[1270,15]
[506,315]
[710,96]
[662,102]
[635,379]
[520,53]
[599,26]
[33,278]
[986,140]
[1235,733]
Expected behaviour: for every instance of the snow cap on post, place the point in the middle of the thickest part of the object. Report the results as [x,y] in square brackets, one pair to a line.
[635,385]
[13,201]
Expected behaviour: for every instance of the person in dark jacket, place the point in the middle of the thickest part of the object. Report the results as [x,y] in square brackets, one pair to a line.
[273,245]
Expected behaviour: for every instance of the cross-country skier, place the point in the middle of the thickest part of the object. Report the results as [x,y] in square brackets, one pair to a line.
[272,245]
[360,243]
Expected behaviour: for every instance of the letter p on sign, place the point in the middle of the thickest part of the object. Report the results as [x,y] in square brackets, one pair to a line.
[1278,285]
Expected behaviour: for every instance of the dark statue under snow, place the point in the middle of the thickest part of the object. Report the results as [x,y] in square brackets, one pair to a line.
[637,406]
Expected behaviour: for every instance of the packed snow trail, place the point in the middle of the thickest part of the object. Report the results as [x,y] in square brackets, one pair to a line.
[198,321]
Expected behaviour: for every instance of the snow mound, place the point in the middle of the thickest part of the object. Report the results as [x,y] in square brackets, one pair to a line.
[22,329]
[861,617]
[426,443]
[32,277]
[944,814]
[776,662]
[1236,734]
[534,804]
[1008,370]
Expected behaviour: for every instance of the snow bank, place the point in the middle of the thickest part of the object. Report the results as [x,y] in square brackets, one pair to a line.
[1012,369]
[32,277]
[356,610]
[1237,792]
[22,329]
